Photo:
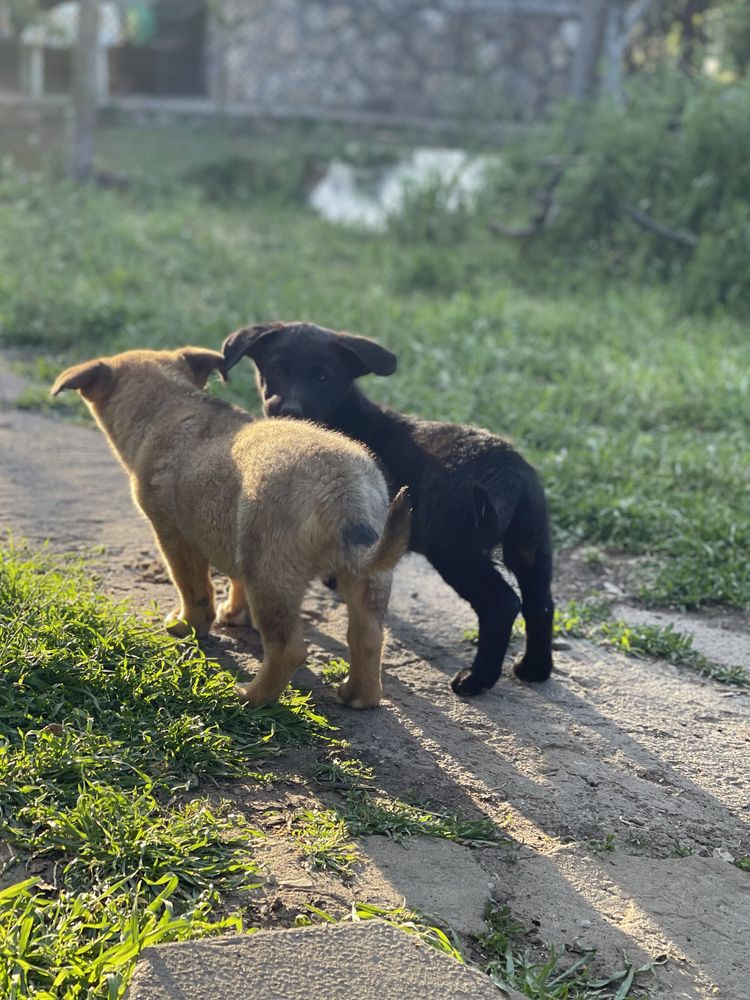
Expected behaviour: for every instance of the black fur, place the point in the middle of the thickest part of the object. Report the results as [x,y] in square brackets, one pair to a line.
[471,491]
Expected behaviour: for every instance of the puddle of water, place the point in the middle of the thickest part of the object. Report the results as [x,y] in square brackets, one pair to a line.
[366,197]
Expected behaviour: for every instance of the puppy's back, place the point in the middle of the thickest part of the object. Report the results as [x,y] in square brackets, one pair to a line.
[329,499]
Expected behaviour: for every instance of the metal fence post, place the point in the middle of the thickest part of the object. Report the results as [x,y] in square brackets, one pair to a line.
[85,91]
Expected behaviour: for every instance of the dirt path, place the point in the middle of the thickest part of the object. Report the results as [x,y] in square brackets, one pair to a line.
[623,782]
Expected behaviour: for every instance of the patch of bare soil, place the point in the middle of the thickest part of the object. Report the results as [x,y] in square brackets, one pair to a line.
[622,783]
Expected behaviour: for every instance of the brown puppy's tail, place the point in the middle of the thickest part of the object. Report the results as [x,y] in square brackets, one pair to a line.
[394,541]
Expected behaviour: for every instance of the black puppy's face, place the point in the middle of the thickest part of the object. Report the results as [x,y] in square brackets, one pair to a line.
[301,376]
[305,371]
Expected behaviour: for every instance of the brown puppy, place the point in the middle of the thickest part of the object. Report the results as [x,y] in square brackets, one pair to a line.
[272,504]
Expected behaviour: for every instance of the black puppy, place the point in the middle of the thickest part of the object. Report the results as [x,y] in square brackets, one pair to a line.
[471,491]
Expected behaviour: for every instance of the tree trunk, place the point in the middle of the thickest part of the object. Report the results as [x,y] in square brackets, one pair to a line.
[85,91]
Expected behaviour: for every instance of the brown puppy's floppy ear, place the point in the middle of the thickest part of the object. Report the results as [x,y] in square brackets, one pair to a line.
[202,362]
[363,355]
[247,341]
[91,379]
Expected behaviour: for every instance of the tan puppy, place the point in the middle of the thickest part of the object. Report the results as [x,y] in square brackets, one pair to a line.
[272,504]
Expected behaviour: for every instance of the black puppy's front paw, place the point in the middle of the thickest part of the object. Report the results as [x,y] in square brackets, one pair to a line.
[533,671]
[467,684]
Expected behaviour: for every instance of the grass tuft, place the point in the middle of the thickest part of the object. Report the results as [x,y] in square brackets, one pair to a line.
[76,944]
[324,838]
[560,976]
[367,814]
[590,620]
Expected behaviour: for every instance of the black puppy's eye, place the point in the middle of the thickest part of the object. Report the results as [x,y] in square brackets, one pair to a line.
[320,375]
[276,369]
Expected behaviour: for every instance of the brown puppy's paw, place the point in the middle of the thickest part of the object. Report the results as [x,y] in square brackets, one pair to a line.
[182,628]
[225,615]
[348,695]
[252,696]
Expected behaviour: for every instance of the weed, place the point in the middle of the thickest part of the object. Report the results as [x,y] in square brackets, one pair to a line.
[412,922]
[335,671]
[604,845]
[342,772]
[324,834]
[35,397]
[554,978]
[593,556]
[409,921]
[743,863]
[682,851]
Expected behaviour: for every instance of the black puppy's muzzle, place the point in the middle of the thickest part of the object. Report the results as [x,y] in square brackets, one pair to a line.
[278,406]
[291,410]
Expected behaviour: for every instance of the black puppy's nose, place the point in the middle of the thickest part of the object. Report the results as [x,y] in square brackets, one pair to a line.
[290,410]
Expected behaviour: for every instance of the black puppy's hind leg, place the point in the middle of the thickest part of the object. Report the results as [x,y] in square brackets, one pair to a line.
[533,570]
[475,578]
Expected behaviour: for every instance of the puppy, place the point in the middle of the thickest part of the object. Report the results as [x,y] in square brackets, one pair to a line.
[471,492]
[272,504]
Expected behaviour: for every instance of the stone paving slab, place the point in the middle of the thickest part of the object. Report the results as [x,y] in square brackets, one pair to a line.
[445,880]
[357,961]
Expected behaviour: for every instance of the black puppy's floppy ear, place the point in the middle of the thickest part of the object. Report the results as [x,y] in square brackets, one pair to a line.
[91,379]
[247,341]
[364,356]
[202,362]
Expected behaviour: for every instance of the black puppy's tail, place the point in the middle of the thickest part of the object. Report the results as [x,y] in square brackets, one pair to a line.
[485,514]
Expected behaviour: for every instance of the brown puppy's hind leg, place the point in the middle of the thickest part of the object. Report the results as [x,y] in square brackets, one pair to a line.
[277,617]
[366,601]
[190,574]
[235,610]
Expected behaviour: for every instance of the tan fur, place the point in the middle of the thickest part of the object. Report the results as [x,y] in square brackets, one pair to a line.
[267,503]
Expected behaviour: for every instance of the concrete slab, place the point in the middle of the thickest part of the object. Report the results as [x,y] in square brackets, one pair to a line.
[701,905]
[436,876]
[368,961]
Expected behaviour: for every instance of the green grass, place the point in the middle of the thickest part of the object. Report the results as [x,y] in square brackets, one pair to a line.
[84,944]
[108,730]
[591,620]
[560,976]
[324,838]
[335,671]
[635,413]
[369,814]
[325,834]
[404,919]
[605,845]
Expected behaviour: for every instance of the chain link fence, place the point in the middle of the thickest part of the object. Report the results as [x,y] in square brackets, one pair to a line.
[176,81]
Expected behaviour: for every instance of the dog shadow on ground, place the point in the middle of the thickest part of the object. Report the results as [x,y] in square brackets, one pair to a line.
[569,774]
